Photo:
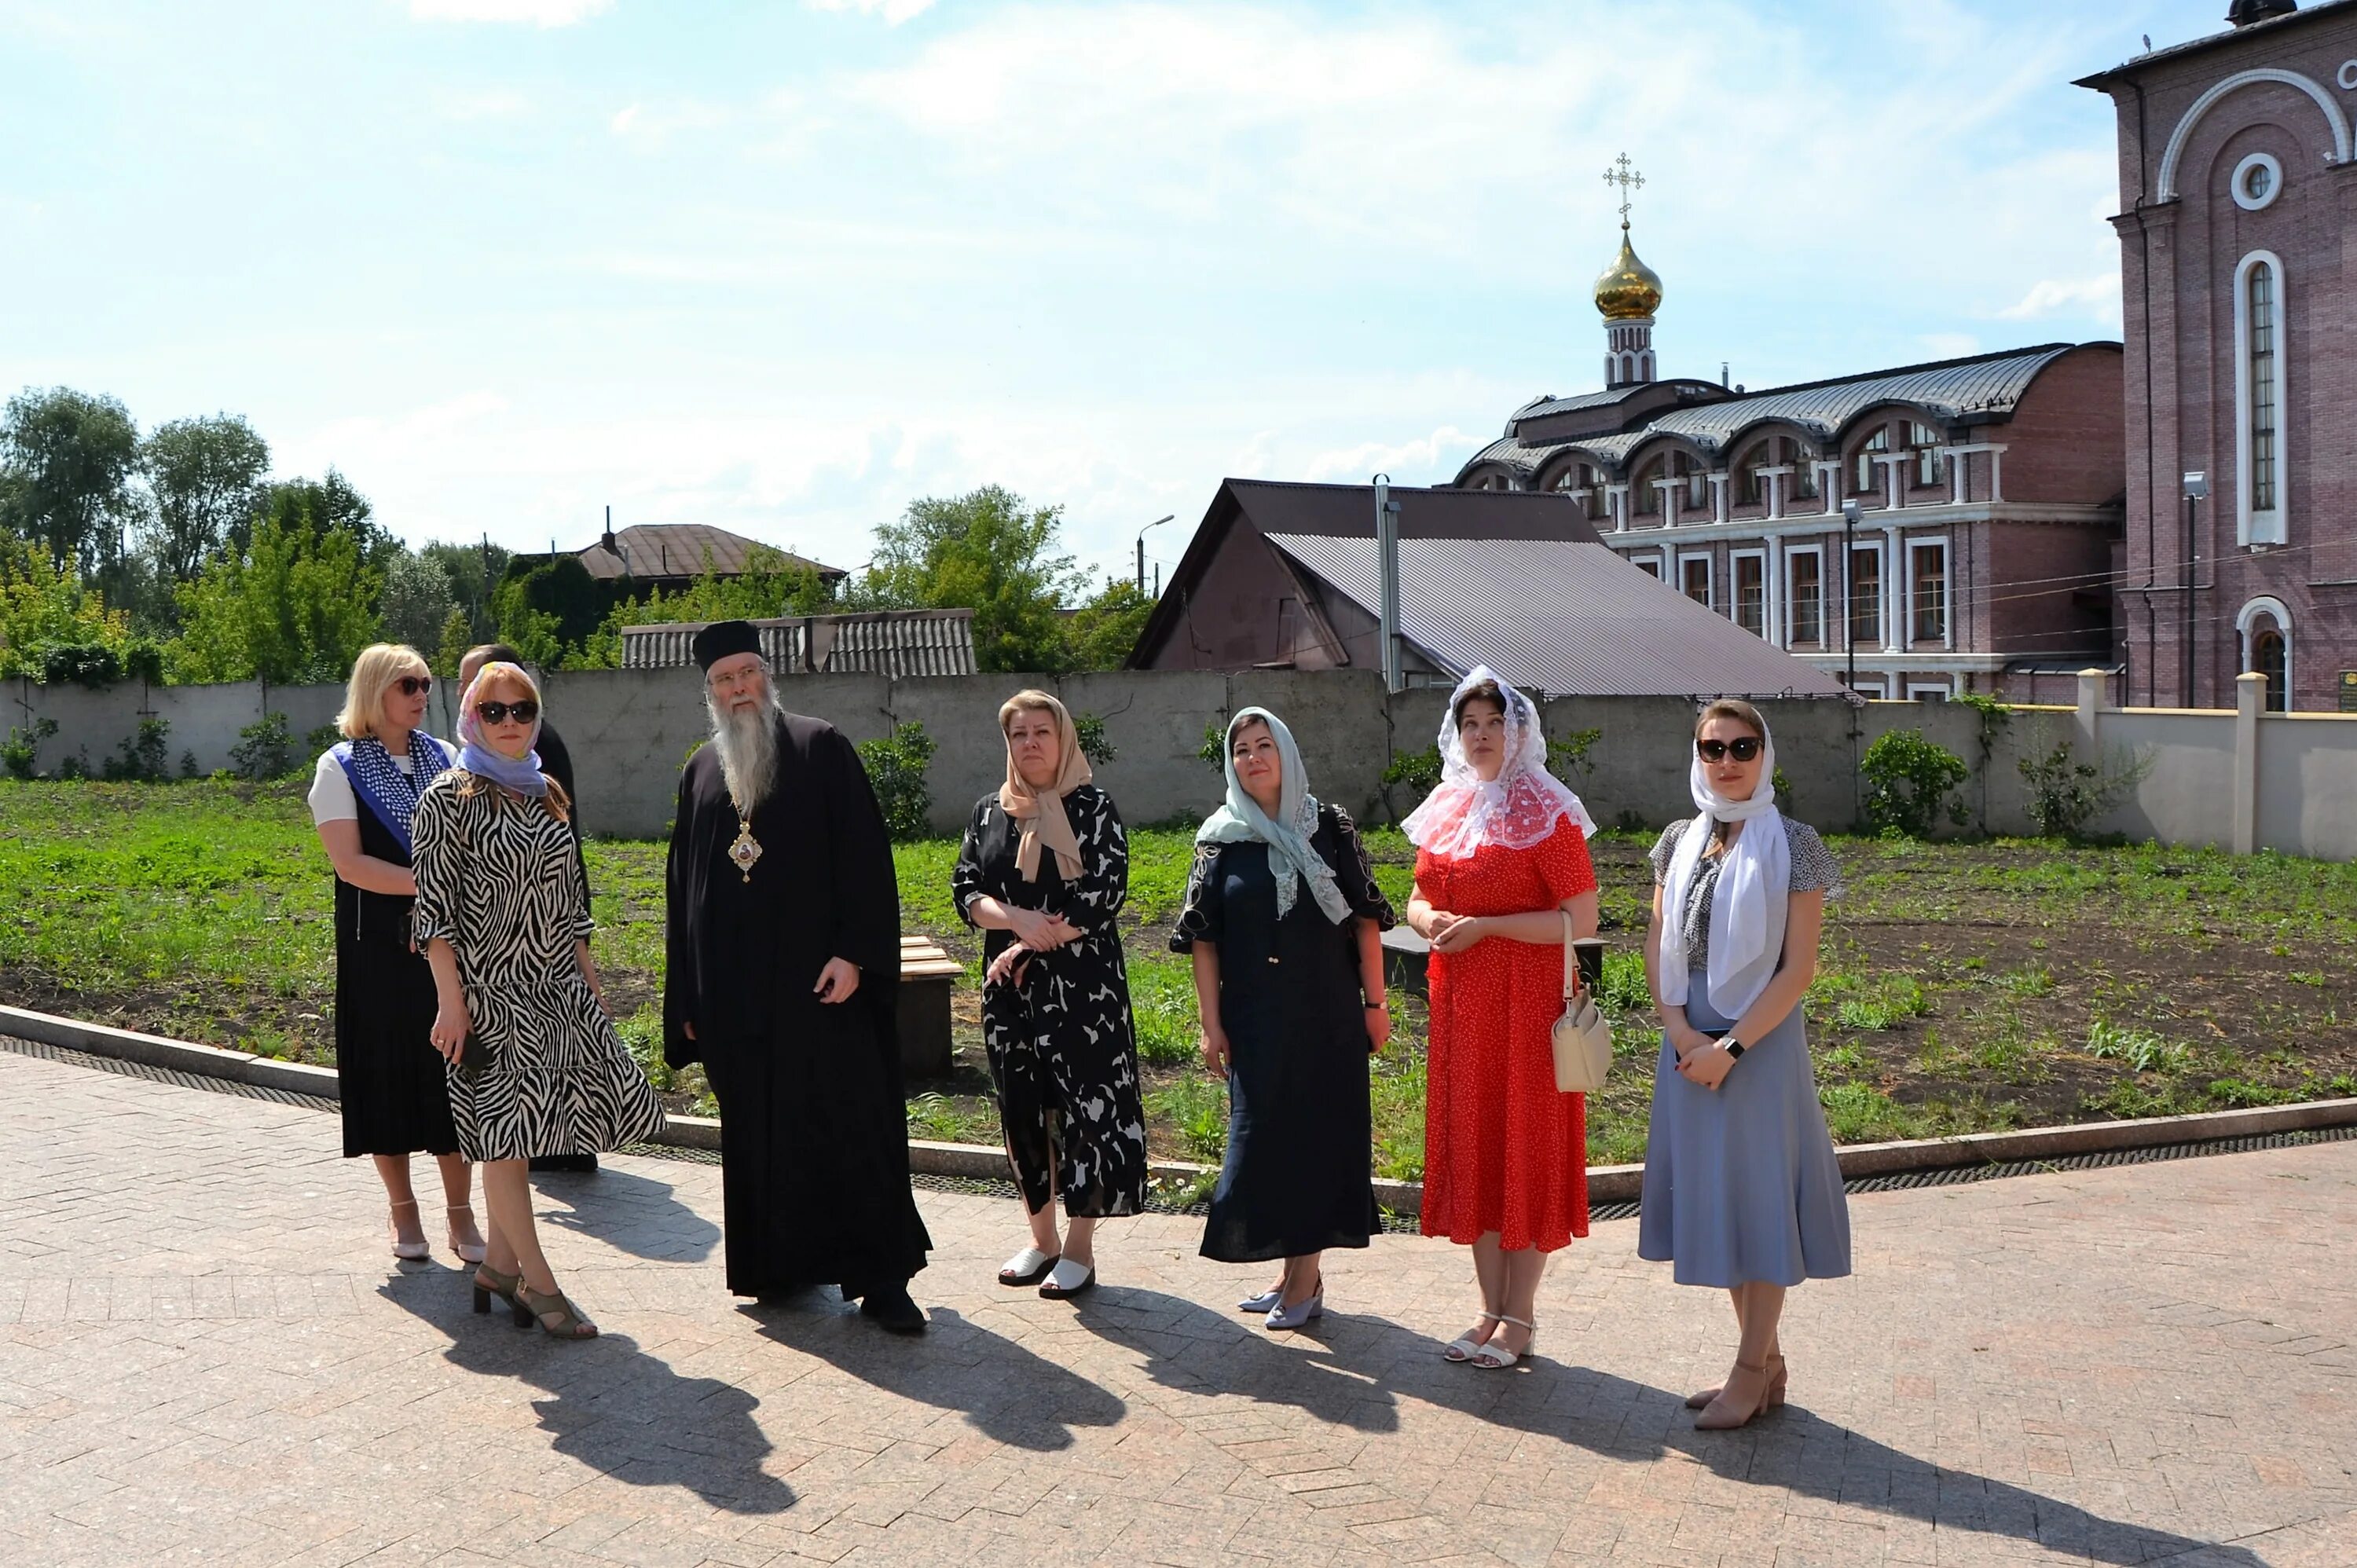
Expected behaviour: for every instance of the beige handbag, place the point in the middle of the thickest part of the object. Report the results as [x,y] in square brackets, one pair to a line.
[1583,1040]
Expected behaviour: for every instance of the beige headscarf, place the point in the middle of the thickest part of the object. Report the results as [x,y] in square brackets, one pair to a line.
[1041,813]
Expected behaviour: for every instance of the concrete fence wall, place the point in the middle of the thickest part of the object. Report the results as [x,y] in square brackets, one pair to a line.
[2240,781]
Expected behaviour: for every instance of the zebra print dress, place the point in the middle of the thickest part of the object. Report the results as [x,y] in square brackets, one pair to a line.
[543,1073]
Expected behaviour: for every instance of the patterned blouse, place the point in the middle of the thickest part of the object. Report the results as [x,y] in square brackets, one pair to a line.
[1813,867]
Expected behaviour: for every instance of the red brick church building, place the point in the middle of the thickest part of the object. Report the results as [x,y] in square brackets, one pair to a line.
[2238,245]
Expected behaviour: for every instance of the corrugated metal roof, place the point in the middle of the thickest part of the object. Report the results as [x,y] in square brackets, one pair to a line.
[899,643]
[678,550]
[1565,619]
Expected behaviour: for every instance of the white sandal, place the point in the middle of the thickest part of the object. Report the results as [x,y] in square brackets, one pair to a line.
[1465,1347]
[1068,1279]
[1027,1267]
[1495,1357]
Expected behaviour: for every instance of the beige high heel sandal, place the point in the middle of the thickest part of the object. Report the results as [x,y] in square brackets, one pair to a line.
[1775,1388]
[407,1252]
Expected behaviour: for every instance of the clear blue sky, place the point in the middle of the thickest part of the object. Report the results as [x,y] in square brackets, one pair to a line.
[783,266]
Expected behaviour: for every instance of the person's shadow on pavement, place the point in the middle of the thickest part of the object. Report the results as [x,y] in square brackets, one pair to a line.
[635,1213]
[1004,1391]
[1192,1350]
[611,1406]
[1787,1448]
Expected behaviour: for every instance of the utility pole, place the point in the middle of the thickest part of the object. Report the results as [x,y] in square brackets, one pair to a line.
[1387,568]
[1142,532]
[1849,588]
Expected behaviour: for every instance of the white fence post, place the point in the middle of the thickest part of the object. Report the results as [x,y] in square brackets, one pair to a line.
[2250,696]
[2090,702]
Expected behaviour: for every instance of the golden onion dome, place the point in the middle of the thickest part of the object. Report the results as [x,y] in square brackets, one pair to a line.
[1629,288]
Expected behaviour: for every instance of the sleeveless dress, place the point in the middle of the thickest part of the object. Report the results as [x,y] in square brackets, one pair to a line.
[390,1091]
[1741,1182]
[543,1073]
[1504,1150]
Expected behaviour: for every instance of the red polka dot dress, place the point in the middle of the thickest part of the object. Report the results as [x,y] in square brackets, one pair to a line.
[1504,1149]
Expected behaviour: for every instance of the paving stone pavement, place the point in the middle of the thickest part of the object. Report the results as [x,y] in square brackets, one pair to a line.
[207,1356]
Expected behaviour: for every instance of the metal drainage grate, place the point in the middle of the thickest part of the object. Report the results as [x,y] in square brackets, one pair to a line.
[1398,1224]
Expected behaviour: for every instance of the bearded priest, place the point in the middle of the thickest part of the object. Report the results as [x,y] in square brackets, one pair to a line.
[781,972]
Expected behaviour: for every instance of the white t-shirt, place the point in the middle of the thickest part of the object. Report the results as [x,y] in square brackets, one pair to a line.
[331,789]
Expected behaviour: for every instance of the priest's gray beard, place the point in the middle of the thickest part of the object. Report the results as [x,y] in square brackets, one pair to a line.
[747,742]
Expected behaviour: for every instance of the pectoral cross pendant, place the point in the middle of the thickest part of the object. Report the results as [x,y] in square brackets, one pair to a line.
[746,849]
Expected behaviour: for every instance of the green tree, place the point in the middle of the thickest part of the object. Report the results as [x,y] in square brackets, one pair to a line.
[320,507]
[294,608]
[45,608]
[771,586]
[415,602]
[1101,633]
[986,552]
[68,457]
[474,570]
[550,608]
[207,477]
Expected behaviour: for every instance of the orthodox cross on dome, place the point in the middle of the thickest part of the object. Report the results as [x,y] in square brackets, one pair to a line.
[1622,174]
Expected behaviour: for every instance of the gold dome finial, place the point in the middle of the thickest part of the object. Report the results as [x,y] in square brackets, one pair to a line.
[1629,288]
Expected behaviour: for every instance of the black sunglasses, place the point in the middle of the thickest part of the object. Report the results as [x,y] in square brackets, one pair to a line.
[415,686]
[1742,750]
[523,709]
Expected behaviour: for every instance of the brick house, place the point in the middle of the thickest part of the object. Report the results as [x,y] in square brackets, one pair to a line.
[2238,246]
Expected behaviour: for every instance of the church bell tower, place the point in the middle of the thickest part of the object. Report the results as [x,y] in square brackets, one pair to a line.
[1627,294]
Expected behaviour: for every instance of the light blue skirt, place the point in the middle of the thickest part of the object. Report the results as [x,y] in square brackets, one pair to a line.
[1741,1184]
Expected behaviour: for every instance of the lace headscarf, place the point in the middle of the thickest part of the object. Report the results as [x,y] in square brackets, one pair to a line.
[1514,811]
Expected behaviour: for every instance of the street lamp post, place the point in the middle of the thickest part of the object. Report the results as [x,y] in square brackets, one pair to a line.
[2197,490]
[1850,512]
[1142,532]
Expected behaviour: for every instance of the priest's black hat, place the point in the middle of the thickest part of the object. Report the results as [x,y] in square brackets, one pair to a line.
[722,638]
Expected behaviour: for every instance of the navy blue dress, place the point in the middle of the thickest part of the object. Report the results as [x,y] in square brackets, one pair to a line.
[1296,1178]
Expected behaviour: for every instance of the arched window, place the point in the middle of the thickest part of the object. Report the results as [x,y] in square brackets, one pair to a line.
[2259,322]
[1863,479]
[1644,495]
[2266,626]
[1697,484]
[1753,484]
[1925,443]
[1804,470]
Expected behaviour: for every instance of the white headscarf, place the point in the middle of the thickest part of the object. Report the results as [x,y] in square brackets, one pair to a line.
[1516,810]
[1292,858]
[1747,912]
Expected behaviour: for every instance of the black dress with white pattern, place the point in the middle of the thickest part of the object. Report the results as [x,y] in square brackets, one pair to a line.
[1062,1050]
[543,1073]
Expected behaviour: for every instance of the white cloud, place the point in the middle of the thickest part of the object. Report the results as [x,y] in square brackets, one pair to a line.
[538,13]
[2096,296]
[1353,465]
[893,11]
[1950,345]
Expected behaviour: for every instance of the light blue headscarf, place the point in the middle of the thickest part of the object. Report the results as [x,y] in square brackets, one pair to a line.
[1291,858]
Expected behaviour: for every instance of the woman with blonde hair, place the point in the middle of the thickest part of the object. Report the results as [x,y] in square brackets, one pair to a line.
[503,915]
[1742,1188]
[364,794]
[1043,873]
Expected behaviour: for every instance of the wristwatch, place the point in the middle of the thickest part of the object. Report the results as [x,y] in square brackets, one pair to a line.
[1735,1047]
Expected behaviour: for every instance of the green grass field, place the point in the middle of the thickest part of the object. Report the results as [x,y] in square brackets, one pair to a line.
[1966,986]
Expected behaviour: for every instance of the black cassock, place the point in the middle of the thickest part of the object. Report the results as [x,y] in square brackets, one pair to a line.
[814,1172]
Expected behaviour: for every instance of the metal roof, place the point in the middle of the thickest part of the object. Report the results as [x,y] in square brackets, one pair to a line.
[899,643]
[1561,618]
[678,550]
[1983,387]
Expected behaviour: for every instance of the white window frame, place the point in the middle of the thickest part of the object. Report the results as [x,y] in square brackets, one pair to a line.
[2269,527]
[1640,559]
[1947,591]
[1792,596]
[1709,574]
[1878,547]
[2275,609]
[1767,589]
[1943,687]
[1873,687]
